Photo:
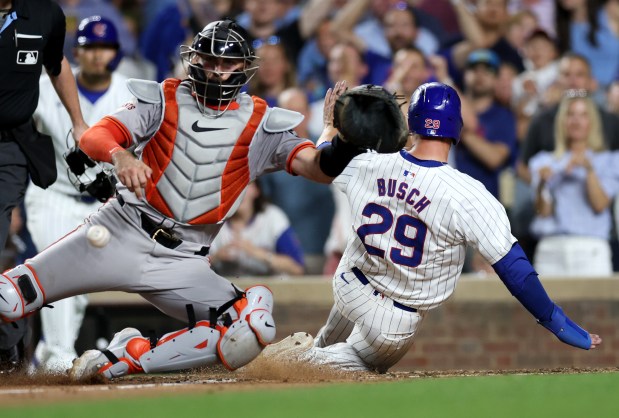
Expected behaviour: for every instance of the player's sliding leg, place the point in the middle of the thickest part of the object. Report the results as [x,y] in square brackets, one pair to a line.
[381,336]
[20,293]
[336,330]
[203,344]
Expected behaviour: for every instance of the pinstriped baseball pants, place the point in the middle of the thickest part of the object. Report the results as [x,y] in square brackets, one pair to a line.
[364,331]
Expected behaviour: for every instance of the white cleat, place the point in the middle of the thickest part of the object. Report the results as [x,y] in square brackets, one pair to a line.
[290,348]
[89,363]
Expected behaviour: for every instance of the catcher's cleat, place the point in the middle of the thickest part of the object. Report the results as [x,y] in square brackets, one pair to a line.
[290,348]
[93,362]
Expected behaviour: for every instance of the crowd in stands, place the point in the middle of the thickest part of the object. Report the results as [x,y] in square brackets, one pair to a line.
[539,81]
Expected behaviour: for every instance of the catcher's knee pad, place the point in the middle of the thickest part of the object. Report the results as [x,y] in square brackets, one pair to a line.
[20,293]
[184,349]
[246,338]
[256,297]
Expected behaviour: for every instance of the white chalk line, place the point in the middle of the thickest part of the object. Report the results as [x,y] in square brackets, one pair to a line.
[92,388]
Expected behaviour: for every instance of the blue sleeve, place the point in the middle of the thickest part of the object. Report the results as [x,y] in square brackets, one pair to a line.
[521,280]
[517,273]
[289,245]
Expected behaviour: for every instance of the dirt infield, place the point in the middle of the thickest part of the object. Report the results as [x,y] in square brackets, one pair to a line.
[22,389]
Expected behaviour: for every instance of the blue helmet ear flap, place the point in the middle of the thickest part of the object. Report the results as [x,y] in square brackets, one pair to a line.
[435,112]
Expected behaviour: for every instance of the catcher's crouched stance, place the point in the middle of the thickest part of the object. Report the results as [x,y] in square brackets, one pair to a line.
[234,343]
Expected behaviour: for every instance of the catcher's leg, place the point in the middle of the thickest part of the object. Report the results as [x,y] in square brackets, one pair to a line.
[20,293]
[201,345]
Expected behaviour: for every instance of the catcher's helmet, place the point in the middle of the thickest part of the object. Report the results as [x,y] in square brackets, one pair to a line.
[99,31]
[435,112]
[219,39]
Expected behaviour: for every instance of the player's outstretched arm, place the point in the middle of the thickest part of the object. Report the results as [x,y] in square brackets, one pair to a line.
[520,278]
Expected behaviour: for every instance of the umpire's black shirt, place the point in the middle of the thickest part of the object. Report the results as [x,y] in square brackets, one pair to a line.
[32,35]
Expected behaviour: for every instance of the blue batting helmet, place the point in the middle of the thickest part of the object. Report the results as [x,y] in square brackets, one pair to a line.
[435,112]
[99,31]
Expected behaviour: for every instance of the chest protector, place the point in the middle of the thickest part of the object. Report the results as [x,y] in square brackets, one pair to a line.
[200,165]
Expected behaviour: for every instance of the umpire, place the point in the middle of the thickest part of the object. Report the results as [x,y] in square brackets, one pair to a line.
[31,35]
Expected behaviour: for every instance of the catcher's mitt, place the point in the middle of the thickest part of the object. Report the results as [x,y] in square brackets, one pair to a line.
[368,116]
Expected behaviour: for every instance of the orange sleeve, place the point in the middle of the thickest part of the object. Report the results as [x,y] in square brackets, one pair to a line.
[104,138]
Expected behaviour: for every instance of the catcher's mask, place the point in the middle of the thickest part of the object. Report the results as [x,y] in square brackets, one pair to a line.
[435,112]
[88,176]
[99,31]
[221,39]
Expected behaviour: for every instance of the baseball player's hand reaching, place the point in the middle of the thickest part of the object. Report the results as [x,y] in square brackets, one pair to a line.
[131,172]
[329,131]
[595,341]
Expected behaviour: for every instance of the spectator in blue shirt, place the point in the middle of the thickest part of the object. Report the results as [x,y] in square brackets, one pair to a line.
[574,187]
[484,152]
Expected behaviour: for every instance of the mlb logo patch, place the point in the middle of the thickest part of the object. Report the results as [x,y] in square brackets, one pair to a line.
[27,57]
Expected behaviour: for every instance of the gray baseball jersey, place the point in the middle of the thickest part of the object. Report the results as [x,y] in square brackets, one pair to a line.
[201,168]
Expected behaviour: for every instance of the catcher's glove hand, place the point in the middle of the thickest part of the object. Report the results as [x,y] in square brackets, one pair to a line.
[369,117]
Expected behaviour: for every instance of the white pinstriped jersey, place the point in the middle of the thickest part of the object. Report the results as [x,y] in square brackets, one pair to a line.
[412,221]
[53,119]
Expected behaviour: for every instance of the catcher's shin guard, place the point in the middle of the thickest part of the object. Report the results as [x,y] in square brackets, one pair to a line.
[20,293]
[205,344]
[197,346]
[184,349]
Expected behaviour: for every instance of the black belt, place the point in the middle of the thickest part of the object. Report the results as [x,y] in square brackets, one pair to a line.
[364,280]
[164,236]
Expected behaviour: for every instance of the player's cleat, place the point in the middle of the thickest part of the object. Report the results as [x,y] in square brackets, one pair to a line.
[290,348]
[89,363]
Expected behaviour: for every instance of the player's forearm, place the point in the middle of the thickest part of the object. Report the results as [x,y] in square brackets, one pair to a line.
[521,280]
[105,138]
[307,164]
[64,84]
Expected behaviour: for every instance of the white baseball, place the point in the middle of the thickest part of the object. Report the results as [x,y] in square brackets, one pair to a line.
[98,236]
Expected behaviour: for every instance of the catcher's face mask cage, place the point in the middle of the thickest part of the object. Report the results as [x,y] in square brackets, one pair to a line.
[222,39]
[435,112]
[88,176]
